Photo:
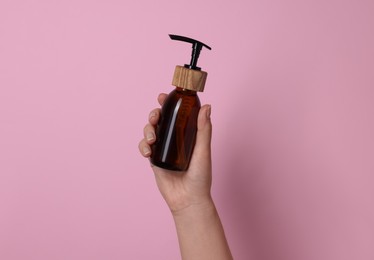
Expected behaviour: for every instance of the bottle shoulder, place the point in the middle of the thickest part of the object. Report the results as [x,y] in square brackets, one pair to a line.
[182,96]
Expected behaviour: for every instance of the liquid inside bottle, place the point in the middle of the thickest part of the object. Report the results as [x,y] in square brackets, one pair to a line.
[176,130]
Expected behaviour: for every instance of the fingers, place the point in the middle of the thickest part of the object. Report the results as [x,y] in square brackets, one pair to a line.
[149,138]
[204,134]
[149,130]
[154,116]
[161,98]
[203,119]
[144,148]
[149,134]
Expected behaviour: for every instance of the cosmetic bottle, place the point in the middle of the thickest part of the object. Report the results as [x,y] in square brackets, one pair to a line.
[177,127]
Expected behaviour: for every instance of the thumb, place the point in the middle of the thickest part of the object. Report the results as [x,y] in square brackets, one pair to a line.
[202,150]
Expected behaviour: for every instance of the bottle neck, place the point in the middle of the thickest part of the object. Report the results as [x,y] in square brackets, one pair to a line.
[186,91]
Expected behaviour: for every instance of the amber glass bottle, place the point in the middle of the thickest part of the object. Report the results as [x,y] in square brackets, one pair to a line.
[177,127]
[176,131]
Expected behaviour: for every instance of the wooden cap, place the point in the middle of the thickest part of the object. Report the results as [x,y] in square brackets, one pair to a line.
[189,79]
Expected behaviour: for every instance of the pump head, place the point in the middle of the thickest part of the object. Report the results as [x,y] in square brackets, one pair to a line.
[196,48]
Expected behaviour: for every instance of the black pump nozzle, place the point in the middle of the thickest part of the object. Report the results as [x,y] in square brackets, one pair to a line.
[196,48]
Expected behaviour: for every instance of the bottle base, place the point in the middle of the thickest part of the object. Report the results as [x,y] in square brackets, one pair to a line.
[168,166]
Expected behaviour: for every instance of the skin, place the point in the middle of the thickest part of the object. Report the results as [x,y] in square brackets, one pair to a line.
[199,229]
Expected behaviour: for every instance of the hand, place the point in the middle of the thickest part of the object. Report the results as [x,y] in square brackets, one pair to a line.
[199,228]
[182,190]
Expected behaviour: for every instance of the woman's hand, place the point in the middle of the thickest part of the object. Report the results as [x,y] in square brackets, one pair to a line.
[182,190]
[200,232]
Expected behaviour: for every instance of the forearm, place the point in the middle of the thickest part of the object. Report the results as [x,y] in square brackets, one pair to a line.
[200,233]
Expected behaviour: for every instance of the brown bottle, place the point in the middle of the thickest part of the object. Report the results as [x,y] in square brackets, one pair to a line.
[177,127]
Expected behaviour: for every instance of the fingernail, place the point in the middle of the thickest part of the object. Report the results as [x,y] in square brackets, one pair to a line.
[146,151]
[150,136]
[152,114]
[208,112]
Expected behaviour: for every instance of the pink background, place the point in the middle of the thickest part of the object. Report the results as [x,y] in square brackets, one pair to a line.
[291,87]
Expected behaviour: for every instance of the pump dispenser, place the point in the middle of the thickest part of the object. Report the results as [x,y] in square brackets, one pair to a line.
[177,127]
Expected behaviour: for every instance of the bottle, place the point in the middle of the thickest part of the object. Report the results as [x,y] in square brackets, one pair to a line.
[177,127]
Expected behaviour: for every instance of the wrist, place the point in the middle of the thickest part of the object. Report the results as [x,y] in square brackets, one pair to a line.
[201,207]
